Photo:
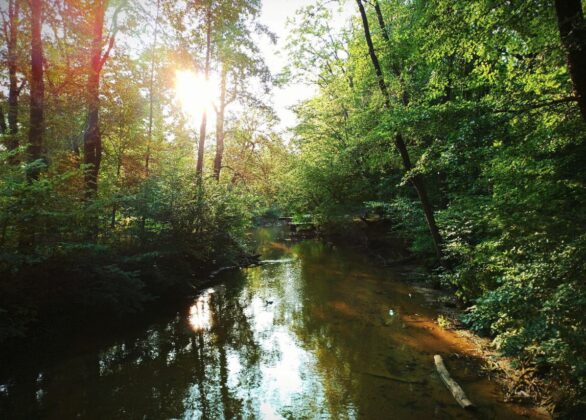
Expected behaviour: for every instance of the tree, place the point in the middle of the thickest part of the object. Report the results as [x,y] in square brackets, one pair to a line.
[10,26]
[204,117]
[572,29]
[417,180]
[3,126]
[220,116]
[151,91]
[37,94]
[239,62]
[92,140]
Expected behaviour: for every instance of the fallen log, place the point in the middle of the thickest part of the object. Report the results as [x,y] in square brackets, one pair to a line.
[452,385]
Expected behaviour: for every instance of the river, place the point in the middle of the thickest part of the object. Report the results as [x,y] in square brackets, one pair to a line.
[315,332]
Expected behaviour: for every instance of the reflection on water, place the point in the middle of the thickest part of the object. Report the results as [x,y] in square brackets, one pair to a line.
[308,336]
[200,315]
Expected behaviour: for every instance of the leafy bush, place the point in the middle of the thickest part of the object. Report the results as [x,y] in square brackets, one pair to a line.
[62,253]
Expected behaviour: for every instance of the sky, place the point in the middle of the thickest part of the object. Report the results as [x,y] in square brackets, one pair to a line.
[274,15]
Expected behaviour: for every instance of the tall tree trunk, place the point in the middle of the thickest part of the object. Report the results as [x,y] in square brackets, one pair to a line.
[115,205]
[201,144]
[381,21]
[417,181]
[92,139]
[147,159]
[11,29]
[37,94]
[3,126]
[220,125]
[394,67]
[204,118]
[151,94]
[573,35]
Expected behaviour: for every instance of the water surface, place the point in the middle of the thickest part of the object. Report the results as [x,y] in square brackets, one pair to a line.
[309,335]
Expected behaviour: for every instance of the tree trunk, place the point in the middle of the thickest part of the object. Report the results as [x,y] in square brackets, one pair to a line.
[3,126]
[92,139]
[453,387]
[381,21]
[115,206]
[37,94]
[395,68]
[220,126]
[204,118]
[151,94]
[417,181]
[573,35]
[13,89]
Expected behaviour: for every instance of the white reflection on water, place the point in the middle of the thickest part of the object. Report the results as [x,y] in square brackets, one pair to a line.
[200,314]
[289,381]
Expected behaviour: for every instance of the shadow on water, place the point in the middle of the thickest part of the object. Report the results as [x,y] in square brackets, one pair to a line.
[307,337]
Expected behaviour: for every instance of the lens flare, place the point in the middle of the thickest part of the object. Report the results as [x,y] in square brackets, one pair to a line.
[195,94]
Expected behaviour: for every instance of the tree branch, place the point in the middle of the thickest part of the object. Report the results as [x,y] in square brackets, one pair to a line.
[112,34]
[22,85]
[530,107]
[104,58]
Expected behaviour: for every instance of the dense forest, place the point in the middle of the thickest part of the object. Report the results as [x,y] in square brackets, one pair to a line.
[101,190]
[139,143]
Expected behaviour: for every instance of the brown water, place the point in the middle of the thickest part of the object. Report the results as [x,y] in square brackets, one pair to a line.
[307,335]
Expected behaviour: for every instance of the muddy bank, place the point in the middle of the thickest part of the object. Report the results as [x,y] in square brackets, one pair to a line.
[518,381]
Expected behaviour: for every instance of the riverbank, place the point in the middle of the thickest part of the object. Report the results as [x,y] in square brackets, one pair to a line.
[56,301]
[519,380]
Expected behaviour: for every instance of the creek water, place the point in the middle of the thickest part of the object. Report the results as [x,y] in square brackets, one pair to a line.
[315,332]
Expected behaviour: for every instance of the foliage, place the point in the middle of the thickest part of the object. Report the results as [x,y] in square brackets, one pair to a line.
[481,93]
[127,261]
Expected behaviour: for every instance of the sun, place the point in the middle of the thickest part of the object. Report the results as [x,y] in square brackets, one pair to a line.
[194,93]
